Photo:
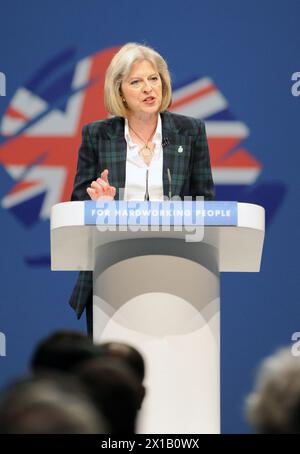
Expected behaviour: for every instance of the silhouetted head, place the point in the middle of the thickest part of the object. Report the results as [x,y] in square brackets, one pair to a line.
[115,389]
[49,405]
[127,353]
[63,350]
[274,405]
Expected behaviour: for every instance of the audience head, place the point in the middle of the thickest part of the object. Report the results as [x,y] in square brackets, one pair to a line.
[126,353]
[274,406]
[49,405]
[63,350]
[116,391]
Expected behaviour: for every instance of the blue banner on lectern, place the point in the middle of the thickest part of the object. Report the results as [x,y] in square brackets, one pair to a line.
[173,213]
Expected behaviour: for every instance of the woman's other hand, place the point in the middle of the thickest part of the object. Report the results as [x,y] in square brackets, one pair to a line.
[101,189]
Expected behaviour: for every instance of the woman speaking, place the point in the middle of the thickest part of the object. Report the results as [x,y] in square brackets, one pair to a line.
[143,152]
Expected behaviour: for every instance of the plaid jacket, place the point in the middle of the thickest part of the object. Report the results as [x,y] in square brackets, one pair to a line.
[104,147]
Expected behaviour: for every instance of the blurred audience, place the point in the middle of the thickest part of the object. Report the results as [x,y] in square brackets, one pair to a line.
[116,391]
[80,388]
[56,404]
[63,350]
[274,405]
[111,375]
[128,354]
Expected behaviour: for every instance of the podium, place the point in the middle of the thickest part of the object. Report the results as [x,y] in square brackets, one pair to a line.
[158,289]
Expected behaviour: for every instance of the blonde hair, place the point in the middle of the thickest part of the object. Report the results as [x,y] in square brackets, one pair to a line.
[119,69]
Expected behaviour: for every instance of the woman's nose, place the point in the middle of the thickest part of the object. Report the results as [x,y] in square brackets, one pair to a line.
[147,86]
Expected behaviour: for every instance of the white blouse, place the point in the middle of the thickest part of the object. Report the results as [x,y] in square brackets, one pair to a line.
[136,183]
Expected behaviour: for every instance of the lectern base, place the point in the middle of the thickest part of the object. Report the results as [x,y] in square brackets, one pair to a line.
[176,328]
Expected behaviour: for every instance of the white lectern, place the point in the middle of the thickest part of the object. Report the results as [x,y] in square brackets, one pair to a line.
[160,293]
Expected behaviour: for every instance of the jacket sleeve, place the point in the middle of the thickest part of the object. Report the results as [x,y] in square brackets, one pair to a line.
[86,166]
[201,177]
[86,172]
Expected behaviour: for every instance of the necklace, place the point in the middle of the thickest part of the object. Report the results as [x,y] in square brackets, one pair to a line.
[145,151]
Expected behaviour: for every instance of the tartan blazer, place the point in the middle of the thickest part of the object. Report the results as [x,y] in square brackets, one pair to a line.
[104,147]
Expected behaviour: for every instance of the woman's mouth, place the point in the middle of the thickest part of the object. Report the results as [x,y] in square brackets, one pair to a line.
[149,100]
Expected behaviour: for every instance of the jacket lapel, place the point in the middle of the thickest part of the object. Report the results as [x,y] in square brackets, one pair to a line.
[113,152]
[176,155]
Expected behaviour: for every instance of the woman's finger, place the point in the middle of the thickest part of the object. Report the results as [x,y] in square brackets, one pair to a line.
[112,191]
[97,186]
[92,193]
[104,175]
[103,183]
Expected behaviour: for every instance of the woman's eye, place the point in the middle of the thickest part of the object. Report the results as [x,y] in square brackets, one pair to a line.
[134,82]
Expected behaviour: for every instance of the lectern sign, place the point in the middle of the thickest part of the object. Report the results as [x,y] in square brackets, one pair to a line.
[172,213]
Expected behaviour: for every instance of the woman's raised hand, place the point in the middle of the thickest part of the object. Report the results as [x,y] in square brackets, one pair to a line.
[101,189]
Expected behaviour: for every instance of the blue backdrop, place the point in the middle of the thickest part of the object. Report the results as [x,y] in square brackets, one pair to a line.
[233,61]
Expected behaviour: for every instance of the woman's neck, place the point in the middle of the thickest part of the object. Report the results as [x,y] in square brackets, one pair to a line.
[143,124]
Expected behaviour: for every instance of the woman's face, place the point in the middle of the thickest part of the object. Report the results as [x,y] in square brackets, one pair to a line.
[142,89]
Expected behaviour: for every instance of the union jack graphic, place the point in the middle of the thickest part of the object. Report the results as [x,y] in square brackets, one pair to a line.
[41,132]
[201,99]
